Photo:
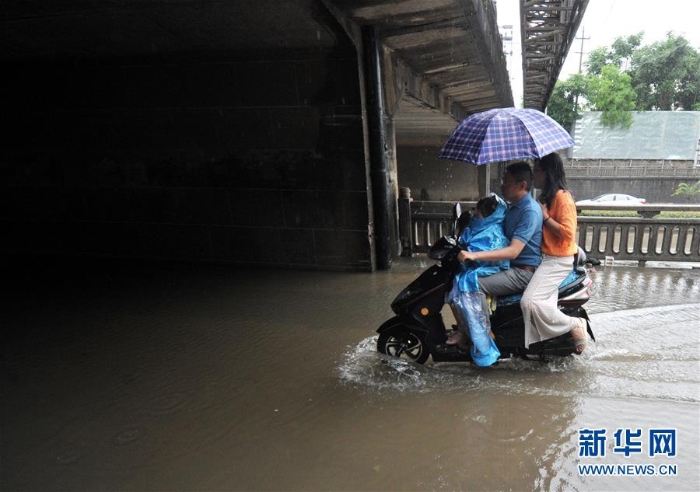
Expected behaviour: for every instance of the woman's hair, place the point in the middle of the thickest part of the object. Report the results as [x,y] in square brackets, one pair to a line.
[487,205]
[553,167]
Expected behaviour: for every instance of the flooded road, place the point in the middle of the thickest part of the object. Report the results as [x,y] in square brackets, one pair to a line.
[208,377]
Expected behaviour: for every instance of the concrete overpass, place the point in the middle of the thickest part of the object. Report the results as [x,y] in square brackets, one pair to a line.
[253,132]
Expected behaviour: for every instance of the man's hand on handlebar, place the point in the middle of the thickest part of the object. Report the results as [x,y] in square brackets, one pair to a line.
[463,256]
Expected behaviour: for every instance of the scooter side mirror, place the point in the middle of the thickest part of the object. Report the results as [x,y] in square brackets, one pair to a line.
[462,222]
[458,220]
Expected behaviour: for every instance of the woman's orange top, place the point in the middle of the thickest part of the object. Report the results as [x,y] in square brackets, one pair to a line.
[563,211]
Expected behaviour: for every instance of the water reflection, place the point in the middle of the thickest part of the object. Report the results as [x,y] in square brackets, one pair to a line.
[630,287]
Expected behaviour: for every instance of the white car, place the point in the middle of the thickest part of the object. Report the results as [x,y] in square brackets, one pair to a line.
[613,199]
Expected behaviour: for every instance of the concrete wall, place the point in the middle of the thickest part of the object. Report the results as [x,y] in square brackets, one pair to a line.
[430,178]
[256,159]
[436,179]
[653,180]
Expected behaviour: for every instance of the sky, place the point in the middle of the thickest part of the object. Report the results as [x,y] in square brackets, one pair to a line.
[605,20]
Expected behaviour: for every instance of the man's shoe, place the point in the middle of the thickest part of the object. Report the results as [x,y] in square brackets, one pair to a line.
[455,338]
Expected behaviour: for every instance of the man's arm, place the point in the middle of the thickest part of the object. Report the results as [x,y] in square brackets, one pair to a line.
[510,252]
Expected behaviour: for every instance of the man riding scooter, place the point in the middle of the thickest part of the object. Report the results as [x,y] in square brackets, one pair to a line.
[522,225]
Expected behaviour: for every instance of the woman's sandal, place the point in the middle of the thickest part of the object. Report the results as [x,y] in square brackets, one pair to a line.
[580,343]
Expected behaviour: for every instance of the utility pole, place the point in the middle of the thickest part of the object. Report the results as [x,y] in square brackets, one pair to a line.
[582,38]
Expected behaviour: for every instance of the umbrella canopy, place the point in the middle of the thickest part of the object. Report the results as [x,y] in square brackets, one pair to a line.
[505,134]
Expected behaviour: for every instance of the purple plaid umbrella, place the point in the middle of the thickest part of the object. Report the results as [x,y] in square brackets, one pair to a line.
[505,134]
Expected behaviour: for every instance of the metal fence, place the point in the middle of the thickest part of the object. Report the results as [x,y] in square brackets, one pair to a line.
[631,169]
[644,238]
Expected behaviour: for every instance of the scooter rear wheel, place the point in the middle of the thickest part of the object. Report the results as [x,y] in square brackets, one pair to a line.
[397,341]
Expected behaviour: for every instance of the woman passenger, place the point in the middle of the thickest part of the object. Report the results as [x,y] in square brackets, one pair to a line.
[543,320]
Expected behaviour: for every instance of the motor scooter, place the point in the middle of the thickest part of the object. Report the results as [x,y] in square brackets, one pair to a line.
[418,330]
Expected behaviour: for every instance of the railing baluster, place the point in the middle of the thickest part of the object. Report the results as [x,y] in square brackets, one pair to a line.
[674,234]
[630,236]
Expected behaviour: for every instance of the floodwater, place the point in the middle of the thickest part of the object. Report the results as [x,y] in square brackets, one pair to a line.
[143,377]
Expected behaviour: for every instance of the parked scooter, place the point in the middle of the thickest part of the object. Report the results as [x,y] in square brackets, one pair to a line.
[418,330]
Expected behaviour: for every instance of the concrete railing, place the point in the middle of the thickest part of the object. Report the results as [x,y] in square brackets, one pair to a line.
[640,239]
[421,223]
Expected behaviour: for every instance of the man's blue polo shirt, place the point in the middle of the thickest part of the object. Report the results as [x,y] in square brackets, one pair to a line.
[523,221]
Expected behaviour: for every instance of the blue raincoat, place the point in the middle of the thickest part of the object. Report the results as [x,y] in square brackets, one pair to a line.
[483,234]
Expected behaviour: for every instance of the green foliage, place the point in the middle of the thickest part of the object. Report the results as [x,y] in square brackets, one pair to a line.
[619,54]
[612,94]
[607,213]
[627,76]
[666,75]
[679,215]
[687,189]
[568,100]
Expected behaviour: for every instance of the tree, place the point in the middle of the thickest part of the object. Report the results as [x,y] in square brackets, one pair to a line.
[568,100]
[619,54]
[662,76]
[612,94]
[666,75]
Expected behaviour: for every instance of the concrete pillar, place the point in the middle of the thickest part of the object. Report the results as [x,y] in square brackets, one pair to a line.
[382,153]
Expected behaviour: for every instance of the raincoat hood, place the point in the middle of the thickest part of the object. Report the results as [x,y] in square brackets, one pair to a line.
[479,225]
[483,234]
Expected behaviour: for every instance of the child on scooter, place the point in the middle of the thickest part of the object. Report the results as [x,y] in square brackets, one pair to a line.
[484,233]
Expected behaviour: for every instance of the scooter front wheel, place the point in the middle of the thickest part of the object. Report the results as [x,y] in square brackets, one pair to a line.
[397,341]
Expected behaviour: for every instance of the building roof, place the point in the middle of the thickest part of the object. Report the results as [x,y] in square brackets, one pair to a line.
[654,135]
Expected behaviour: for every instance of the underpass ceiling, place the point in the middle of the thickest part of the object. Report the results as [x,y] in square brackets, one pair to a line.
[75,29]
[453,55]
[420,125]
[440,42]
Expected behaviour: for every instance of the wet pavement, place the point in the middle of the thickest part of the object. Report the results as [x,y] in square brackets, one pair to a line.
[127,376]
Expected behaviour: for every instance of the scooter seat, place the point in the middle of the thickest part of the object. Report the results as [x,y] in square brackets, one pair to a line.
[515,298]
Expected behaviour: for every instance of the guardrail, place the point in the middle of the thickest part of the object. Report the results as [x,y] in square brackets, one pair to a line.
[640,239]
[647,211]
[631,170]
